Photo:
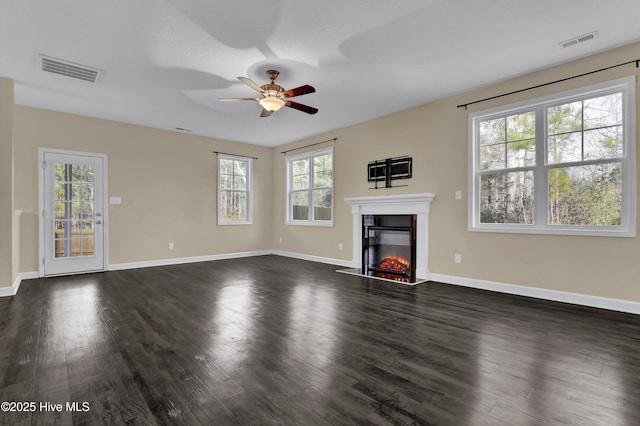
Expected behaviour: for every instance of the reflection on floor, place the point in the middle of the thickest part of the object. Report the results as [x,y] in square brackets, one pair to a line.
[272,340]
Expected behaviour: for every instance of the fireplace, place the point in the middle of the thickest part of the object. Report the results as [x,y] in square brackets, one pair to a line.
[386,224]
[389,247]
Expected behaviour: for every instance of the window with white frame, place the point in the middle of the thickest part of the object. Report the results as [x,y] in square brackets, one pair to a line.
[234,190]
[562,164]
[310,188]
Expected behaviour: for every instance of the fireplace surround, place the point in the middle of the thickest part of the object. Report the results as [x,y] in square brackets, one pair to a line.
[392,205]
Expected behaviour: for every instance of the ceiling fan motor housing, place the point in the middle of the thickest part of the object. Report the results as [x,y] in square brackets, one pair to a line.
[272,90]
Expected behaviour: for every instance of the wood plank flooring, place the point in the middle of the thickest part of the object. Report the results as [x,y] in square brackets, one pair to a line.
[272,340]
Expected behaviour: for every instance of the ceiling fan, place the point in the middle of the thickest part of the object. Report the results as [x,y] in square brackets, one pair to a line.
[274,96]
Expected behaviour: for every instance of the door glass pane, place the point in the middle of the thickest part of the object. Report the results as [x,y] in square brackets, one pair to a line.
[60,207]
[87,243]
[74,210]
[88,174]
[60,246]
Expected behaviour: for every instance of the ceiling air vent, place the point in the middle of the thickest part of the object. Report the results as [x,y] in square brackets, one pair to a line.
[579,39]
[69,69]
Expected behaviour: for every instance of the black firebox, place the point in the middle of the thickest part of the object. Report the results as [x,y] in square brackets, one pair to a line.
[389,247]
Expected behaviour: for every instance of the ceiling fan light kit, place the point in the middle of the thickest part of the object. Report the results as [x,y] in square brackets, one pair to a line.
[274,96]
[271,103]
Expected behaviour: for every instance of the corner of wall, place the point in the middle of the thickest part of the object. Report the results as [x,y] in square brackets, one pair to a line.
[8,223]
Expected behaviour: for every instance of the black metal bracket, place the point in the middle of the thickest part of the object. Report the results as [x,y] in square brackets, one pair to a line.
[389,169]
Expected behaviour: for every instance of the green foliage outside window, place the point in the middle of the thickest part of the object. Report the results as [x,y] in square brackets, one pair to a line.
[584,146]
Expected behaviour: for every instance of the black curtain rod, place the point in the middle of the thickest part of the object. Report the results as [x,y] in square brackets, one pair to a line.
[307,146]
[636,61]
[236,155]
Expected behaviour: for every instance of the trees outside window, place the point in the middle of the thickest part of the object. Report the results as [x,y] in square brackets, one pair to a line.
[310,188]
[234,190]
[563,164]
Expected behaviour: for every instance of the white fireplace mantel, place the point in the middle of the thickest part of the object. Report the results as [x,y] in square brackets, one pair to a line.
[418,204]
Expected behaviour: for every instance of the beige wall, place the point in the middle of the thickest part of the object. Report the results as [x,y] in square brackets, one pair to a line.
[167,182]
[435,135]
[7,256]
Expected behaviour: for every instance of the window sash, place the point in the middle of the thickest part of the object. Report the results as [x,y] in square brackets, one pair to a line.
[313,212]
[608,157]
[234,188]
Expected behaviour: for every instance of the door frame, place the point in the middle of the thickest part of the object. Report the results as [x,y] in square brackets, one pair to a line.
[41,205]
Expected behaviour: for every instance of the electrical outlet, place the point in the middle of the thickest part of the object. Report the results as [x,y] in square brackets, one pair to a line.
[280,240]
[458,195]
[339,246]
[457,258]
[170,246]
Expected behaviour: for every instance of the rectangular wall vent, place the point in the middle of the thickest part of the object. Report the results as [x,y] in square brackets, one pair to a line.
[579,39]
[69,69]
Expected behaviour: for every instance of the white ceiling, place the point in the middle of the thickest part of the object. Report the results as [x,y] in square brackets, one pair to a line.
[165,63]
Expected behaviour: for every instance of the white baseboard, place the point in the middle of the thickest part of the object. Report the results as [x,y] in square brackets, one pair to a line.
[182,260]
[519,290]
[13,289]
[10,290]
[542,293]
[319,259]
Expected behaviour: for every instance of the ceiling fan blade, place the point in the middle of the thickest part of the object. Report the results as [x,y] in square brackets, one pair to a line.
[238,99]
[300,107]
[265,113]
[250,83]
[298,91]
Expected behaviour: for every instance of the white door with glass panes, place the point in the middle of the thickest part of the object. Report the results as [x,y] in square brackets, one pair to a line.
[72,225]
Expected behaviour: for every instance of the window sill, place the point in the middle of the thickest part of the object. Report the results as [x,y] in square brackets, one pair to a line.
[560,230]
[310,223]
[234,223]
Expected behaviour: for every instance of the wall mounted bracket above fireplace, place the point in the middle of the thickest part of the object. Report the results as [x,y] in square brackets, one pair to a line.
[389,169]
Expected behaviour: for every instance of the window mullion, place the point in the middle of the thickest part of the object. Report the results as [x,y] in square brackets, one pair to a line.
[311,163]
[506,143]
[582,129]
[541,176]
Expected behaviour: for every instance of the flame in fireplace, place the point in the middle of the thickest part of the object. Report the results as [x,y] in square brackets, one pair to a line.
[395,264]
[392,277]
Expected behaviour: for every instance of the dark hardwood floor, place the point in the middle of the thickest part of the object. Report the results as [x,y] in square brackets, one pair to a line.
[272,340]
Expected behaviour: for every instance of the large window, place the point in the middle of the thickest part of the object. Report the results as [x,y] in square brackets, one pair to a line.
[234,190]
[310,188]
[560,165]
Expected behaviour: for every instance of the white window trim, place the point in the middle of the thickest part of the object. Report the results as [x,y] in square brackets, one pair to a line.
[249,191]
[310,154]
[627,228]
